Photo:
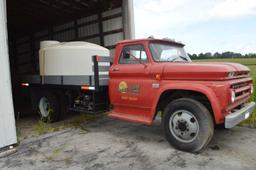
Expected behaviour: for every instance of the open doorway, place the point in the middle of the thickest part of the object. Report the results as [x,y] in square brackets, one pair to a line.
[102,22]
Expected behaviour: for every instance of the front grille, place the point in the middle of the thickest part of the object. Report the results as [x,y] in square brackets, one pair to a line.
[241,89]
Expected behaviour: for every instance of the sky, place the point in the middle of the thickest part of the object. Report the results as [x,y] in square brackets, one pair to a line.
[203,25]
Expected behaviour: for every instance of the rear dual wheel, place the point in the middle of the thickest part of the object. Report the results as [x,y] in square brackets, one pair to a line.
[49,108]
[188,125]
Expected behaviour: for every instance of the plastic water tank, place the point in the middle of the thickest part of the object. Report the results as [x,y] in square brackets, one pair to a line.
[44,44]
[68,58]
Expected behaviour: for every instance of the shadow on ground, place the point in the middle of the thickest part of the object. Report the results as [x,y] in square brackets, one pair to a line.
[113,144]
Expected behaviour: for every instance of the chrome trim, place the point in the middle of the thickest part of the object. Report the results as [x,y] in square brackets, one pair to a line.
[238,116]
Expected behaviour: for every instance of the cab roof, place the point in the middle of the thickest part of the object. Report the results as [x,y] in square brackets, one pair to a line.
[168,41]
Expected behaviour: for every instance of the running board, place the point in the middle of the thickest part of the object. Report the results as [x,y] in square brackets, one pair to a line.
[130,118]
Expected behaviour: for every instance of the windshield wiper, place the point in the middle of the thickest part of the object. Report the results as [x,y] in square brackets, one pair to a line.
[184,58]
[172,59]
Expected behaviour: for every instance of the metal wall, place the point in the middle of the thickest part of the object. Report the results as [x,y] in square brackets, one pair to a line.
[7,121]
[106,29]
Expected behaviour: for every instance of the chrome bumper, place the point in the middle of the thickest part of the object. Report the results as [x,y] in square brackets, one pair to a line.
[233,119]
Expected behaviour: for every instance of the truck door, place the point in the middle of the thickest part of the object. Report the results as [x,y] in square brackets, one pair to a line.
[127,82]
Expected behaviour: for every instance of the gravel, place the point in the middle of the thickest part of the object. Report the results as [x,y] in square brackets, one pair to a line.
[113,144]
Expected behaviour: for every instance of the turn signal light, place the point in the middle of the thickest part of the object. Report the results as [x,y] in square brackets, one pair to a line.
[84,87]
[158,76]
[87,88]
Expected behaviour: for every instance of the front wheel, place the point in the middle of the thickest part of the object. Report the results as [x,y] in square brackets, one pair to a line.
[188,125]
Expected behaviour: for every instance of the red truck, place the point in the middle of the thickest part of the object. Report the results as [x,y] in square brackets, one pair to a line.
[148,76]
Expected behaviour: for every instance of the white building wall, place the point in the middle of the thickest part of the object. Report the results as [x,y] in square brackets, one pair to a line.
[7,121]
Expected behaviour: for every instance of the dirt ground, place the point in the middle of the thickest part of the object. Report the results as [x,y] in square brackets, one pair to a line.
[112,144]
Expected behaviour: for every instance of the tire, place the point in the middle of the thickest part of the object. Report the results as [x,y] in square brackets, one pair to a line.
[63,103]
[221,127]
[188,125]
[49,108]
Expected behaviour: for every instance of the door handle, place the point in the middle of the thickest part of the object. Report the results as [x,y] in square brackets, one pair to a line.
[115,69]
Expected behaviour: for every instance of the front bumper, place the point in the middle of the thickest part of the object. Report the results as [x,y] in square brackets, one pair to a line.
[233,119]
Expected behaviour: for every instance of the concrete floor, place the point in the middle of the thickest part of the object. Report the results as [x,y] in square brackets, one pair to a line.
[113,144]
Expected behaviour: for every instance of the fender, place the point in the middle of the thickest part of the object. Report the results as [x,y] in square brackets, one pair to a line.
[196,87]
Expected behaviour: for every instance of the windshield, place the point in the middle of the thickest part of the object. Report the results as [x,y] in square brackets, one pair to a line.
[168,53]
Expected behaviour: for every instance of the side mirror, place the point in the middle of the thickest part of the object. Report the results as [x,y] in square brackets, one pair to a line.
[126,55]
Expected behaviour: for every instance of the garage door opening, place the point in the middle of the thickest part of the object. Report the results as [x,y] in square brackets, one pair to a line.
[102,22]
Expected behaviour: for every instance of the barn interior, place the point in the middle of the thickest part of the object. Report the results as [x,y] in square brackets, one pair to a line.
[29,22]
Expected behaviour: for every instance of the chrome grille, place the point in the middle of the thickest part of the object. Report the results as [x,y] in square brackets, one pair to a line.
[241,89]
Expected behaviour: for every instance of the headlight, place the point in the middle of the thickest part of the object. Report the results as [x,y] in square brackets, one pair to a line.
[231,74]
[233,96]
[251,88]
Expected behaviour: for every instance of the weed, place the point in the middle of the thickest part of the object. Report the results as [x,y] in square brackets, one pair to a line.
[53,156]
[80,122]
[18,132]
[251,121]
[56,152]
[42,128]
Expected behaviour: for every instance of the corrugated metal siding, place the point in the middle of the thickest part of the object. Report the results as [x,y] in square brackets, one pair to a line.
[24,58]
[88,30]
[23,48]
[113,24]
[7,121]
[63,26]
[82,29]
[94,40]
[112,12]
[64,36]
[41,33]
[87,19]
[22,39]
[111,40]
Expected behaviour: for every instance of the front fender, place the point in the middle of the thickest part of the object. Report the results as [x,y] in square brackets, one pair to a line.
[196,87]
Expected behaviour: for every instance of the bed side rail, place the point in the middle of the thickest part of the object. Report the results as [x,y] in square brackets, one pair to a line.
[101,79]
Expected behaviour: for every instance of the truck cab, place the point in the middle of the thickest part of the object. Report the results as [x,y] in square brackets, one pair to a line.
[150,76]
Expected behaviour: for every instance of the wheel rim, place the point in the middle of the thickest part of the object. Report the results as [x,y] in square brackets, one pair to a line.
[184,126]
[44,107]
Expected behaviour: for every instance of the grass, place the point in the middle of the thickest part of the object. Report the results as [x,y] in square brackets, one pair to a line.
[56,155]
[82,120]
[78,122]
[43,128]
[251,63]
[56,152]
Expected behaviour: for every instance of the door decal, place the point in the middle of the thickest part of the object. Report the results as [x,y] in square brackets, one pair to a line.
[123,87]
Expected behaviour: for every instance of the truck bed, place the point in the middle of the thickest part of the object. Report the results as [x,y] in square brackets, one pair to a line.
[65,80]
[100,77]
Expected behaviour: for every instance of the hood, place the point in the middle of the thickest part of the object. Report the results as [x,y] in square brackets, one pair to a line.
[204,71]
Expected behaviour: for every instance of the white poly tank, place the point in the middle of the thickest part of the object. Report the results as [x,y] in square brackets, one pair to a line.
[68,58]
[44,44]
